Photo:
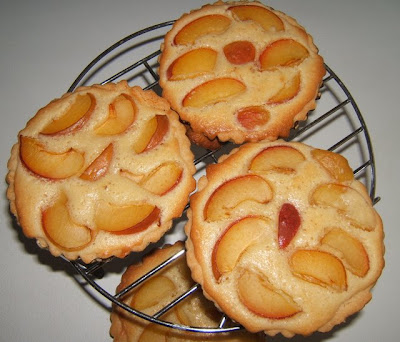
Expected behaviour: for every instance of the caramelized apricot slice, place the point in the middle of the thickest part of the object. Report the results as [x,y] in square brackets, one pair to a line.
[351,250]
[61,229]
[347,201]
[234,192]
[290,89]
[240,52]
[283,159]
[214,91]
[264,17]
[320,268]
[152,134]
[122,112]
[261,298]
[74,118]
[98,168]
[49,164]
[209,24]
[283,53]
[234,242]
[192,64]
[253,116]
[337,166]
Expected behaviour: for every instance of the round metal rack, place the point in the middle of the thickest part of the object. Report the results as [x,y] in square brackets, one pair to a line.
[336,125]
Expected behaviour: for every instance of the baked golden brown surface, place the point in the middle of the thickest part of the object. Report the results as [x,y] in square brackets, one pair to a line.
[283,238]
[240,71]
[100,172]
[155,293]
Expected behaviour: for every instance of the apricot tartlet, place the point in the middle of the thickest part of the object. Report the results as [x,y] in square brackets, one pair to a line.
[239,71]
[100,172]
[158,291]
[283,238]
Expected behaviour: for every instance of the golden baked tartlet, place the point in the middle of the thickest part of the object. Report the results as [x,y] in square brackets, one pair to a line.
[239,71]
[158,291]
[284,239]
[100,172]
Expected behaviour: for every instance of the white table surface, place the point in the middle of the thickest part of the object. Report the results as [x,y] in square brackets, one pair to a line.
[44,46]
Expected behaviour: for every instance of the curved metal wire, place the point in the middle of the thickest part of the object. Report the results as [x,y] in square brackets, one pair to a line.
[89,272]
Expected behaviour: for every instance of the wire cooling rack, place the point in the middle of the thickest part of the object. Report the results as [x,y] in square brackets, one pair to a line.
[336,125]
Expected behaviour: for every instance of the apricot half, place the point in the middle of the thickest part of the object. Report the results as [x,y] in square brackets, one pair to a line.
[240,52]
[213,91]
[252,116]
[234,192]
[74,118]
[209,24]
[49,164]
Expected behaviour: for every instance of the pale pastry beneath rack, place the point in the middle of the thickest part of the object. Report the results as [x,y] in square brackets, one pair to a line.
[158,291]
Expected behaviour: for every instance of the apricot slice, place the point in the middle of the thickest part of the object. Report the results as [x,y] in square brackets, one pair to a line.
[49,164]
[120,218]
[121,115]
[74,118]
[282,53]
[234,192]
[337,166]
[152,292]
[98,168]
[60,228]
[152,134]
[264,17]
[283,159]
[348,202]
[240,52]
[287,92]
[233,243]
[351,249]
[162,179]
[320,268]
[261,298]
[288,224]
[253,116]
[192,64]
[214,91]
[209,24]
